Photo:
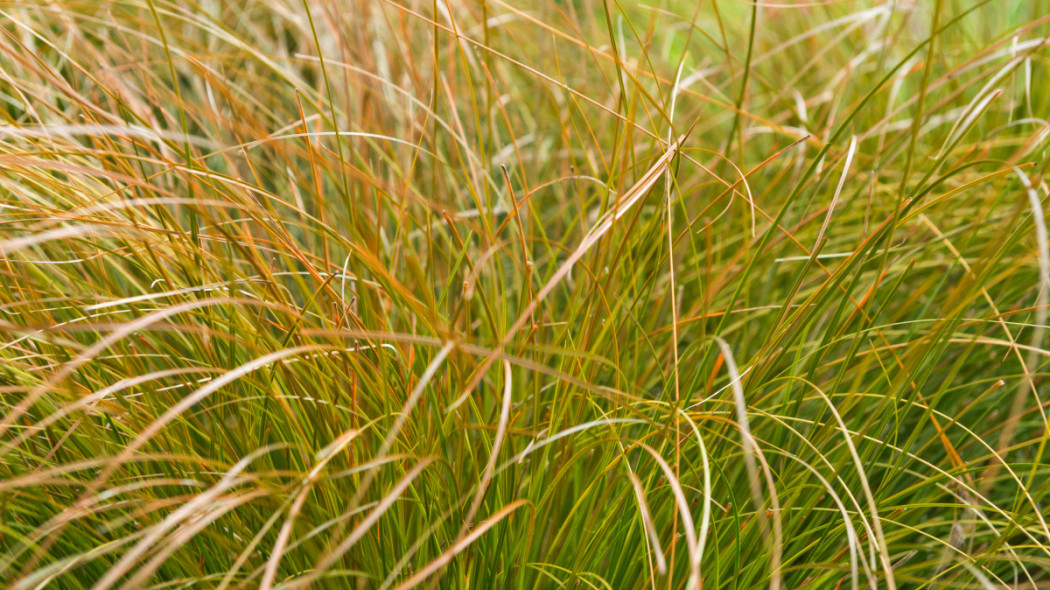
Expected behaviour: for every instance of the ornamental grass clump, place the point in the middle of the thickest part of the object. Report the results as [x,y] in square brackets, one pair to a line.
[505,294]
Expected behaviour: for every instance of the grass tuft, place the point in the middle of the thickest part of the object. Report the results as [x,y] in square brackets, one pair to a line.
[496,294]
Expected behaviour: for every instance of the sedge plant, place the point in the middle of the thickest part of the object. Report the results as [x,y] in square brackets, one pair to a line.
[716,294]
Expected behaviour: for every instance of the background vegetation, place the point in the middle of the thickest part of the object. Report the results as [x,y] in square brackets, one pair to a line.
[513,294]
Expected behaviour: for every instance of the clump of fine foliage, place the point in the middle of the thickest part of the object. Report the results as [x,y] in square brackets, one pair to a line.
[512,294]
